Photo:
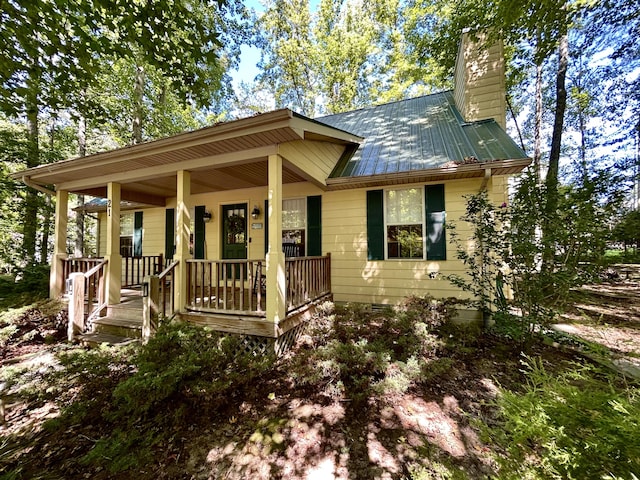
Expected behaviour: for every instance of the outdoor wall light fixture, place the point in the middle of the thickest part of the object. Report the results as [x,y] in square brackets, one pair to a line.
[207,216]
[255,213]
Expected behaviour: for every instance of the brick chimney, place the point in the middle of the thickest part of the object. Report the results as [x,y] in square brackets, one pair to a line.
[479,83]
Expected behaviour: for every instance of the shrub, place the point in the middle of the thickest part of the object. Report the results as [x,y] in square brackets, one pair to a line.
[33,279]
[183,369]
[358,351]
[506,248]
[573,425]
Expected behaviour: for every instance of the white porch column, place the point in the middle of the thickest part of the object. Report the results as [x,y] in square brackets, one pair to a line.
[276,281]
[183,231]
[112,253]
[56,286]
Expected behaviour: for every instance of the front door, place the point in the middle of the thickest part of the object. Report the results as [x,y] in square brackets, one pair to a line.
[234,232]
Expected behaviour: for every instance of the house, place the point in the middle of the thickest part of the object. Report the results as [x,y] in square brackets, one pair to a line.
[246,225]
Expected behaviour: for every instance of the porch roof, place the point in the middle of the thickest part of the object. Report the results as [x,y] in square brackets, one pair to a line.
[224,156]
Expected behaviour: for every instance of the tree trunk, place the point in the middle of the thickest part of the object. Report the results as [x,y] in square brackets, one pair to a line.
[138,94]
[49,213]
[551,181]
[30,219]
[82,151]
[537,135]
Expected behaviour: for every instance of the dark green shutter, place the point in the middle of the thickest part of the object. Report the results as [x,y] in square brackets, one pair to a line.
[266,226]
[314,226]
[169,233]
[198,234]
[137,234]
[436,238]
[375,225]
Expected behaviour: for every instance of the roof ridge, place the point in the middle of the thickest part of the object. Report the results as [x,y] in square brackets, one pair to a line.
[371,107]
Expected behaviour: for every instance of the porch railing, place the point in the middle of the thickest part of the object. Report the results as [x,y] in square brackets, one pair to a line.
[308,279]
[226,286]
[77,264]
[87,298]
[135,269]
[238,286]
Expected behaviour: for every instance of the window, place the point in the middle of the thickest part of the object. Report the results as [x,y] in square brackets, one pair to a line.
[126,234]
[294,225]
[404,223]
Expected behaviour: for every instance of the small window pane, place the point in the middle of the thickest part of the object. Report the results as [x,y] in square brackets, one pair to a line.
[404,206]
[404,241]
[294,213]
[126,224]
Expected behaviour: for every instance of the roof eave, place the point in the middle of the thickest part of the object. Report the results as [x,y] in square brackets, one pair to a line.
[475,170]
[286,118]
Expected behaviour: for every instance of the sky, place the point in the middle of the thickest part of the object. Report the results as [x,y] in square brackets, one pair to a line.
[250,55]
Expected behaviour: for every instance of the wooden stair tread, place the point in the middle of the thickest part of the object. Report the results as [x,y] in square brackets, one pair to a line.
[119,322]
[100,338]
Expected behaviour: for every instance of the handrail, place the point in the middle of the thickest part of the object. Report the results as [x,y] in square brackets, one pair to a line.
[136,268]
[229,286]
[95,269]
[154,301]
[87,298]
[307,279]
[238,287]
[167,270]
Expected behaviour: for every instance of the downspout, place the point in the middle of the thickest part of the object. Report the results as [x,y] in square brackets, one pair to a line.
[485,180]
[27,181]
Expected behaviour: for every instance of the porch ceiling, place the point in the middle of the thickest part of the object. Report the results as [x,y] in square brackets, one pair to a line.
[226,156]
[154,191]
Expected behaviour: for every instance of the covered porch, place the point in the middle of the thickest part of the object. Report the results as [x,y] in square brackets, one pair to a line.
[228,295]
[254,288]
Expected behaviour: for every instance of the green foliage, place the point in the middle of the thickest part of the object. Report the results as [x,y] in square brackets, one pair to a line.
[343,56]
[572,425]
[627,230]
[35,280]
[182,369]
[504,248]
[356,351]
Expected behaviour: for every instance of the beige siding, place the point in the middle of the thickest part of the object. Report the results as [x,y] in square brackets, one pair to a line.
[313,158]
[356,279]
[102,235]
[480,81]
[344,235]
[153,220]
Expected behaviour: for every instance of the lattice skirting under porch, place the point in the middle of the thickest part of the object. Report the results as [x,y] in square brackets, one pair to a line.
[256,345]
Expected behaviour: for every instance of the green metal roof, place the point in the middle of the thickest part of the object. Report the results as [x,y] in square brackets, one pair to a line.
[418,134]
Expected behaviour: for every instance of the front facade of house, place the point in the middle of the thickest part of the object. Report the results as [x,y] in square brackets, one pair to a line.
[261,217]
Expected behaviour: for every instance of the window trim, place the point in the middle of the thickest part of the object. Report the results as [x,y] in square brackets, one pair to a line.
[423,224]
[130,236]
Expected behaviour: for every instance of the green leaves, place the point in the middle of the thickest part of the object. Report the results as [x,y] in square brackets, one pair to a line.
[574,425]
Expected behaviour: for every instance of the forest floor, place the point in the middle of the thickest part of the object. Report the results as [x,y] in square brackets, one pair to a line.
[282,427]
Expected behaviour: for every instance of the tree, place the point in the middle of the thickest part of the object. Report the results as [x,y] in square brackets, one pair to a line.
[627,230]
[51,49]
[289,59]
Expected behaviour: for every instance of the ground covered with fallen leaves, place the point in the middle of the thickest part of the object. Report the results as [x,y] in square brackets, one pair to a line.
[364,395]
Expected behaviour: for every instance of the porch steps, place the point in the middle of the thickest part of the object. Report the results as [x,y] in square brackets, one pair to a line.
[114,325]
[97,338]
[122,325]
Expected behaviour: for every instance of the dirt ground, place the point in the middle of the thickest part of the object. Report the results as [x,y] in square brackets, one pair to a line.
[284,430]
[608,314]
